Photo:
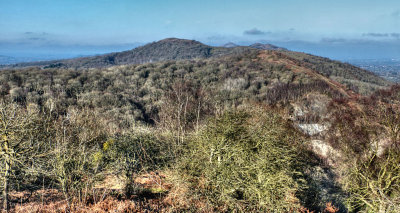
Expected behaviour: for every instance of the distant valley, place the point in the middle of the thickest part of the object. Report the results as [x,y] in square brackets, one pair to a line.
[10,60]
[6,60]
[386,68]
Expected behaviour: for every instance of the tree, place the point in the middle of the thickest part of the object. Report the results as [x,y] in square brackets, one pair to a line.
[74,162]
[20,147]
[389,117]
[184,106]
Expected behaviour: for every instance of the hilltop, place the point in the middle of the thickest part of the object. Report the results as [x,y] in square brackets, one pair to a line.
[266,47]
[163,50]
[230,45]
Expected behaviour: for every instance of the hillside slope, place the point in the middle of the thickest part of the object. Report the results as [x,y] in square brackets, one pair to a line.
[163,50]
[347,74]
[137,92]
[170,49]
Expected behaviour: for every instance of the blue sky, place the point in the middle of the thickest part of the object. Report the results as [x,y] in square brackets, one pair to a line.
[91,26]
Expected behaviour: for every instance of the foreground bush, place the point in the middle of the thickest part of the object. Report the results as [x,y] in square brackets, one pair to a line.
[367,138]
[374,184]
[246,161]
[73,162]
[23,148]
[132,153]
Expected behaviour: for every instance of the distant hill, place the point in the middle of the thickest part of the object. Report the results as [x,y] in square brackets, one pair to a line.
[266,47]
[230,45]
[259,46]
[173,49]
[163,50]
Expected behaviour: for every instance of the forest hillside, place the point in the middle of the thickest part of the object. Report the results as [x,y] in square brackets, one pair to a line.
[179,126]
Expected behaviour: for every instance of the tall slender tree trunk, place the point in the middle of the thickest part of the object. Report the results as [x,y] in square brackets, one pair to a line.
[5,183]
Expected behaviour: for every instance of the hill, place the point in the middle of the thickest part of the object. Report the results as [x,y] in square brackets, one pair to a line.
[266,47]
[163,50]
[359,80]
[137,91]
[230,45]
[131,90]
[171,49]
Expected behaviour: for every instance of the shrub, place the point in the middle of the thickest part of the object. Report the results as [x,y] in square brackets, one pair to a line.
[246,161]
[74,163]
[374,184]
[132,153]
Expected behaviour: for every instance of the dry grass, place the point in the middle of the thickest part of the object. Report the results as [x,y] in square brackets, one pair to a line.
[108,205]
[150,198]
[160,192]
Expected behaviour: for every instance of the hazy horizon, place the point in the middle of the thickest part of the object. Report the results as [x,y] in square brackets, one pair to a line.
[339,30]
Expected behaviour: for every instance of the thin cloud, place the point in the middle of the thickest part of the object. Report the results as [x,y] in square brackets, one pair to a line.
[254,31]
[37,39]
[395,35]
[333,40]
[396,14]
[382,35]
[379,35]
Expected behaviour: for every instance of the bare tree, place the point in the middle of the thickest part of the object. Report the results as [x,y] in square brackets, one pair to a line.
[184,106]
[20,147]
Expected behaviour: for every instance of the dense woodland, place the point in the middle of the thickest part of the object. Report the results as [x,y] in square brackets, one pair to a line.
[135,92]
[215,134]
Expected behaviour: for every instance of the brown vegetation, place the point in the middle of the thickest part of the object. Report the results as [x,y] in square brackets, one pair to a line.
[209,135]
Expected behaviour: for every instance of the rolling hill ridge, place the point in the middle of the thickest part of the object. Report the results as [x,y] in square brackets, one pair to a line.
[135,82]
[172,49]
